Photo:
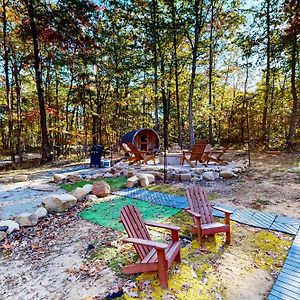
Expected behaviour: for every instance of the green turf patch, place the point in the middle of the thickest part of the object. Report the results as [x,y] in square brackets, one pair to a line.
[108,213]
[116,183]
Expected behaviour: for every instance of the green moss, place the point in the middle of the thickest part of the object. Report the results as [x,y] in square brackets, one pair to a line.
[166,188]
[116,183]
[115,258]
[269,249]
[213,196]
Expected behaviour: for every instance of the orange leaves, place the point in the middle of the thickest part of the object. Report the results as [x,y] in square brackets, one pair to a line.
[34,114]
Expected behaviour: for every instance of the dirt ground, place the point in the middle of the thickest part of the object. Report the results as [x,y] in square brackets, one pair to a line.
[50,261]
[272,184]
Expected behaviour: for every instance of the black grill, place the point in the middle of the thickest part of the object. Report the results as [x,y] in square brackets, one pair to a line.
[97,151]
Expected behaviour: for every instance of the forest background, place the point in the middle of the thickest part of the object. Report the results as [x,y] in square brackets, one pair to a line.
[77,73]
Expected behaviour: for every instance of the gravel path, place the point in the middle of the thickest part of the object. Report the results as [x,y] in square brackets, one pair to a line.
[20,197]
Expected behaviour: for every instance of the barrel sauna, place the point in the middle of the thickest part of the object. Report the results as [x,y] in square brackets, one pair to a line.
[144,139]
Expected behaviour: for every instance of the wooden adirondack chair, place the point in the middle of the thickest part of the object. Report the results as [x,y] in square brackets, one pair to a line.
[201,210]
[126,149]
[138,156]
[153,256]
[195,154]
[214,154]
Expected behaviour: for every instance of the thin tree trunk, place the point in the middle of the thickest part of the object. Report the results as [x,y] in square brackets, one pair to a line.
[198,16]
[7,85]
[45,147]
[293,90]
[267,87]
[154,4]
[174,24]
[19,119]
[165,104]
[210,129]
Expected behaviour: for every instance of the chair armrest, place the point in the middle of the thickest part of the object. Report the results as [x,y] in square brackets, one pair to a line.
[148,243]
[226,211]
[160,225]
[193,213]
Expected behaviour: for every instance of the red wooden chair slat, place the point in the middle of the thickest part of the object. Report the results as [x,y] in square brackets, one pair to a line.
[153,256]
[201,211]
[135,228]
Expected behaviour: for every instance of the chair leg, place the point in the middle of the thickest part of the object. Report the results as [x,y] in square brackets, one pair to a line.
[181,159]
[162,268]
[228,237]
[200,239]
[178,257]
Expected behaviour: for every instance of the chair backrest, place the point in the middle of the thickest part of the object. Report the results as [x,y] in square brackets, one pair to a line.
[135,228]
[134,150]
[206,152]
[126,148]
[199,203]
[198,150]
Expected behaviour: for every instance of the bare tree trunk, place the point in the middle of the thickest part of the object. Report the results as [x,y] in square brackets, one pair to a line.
[267,87]
[45,147]
[7,85]
[293,90]
[19,149]
[210,129]
[174,24]
[155,62]
[198,16]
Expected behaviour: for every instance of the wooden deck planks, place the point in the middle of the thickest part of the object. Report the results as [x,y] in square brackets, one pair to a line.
[287,285]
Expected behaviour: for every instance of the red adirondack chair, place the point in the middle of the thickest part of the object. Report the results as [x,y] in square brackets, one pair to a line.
[201,210]
[215,154]
[139,156]
[196,154]
[153,256]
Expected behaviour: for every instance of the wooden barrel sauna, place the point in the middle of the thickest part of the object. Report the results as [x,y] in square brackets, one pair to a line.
[144,139]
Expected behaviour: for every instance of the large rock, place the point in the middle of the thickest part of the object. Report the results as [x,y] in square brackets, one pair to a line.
[2,235]
[150,177]
[143,179]
[12,225]
[132,181]
[101,189]
[74,177]
[80,193]
[92,198]
[27,219]
[87,188]
[227,173]
[210,176]
[41,212]
[97,175]
[6,179]
[199,171]
[108,175]
[159,175]
[131,172]
[185,177]
[19,178]
[59,203]
[59,177]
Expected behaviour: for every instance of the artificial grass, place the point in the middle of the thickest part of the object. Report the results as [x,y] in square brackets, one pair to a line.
[108,213]
[116,183]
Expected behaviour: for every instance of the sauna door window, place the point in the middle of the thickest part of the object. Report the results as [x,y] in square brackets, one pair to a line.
[144,142]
